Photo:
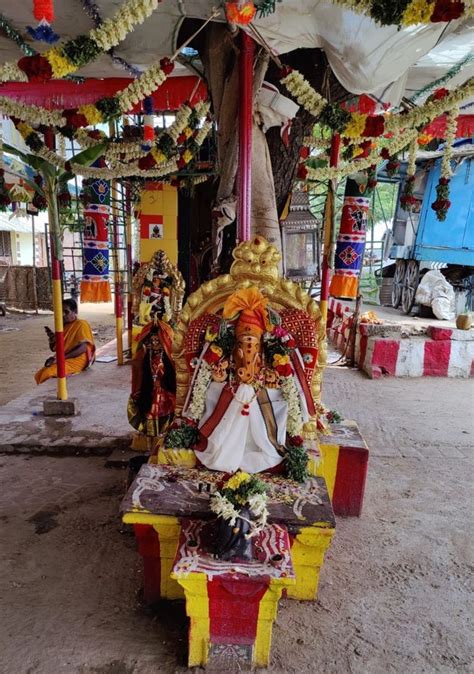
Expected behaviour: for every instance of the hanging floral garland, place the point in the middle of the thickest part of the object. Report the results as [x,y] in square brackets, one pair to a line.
[7,29]
[149,168]
[409,12]
[442,203]
[392,166]
[58,62]
[357,125]
[330,173]
[31,113]
[408,200]
[43,11]
[452,72]
[92,11]
[90,114]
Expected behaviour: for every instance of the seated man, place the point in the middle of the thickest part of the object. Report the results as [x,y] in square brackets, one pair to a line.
[79,345]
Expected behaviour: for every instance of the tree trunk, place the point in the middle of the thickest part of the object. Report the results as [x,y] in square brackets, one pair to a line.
[221,67]
[273,164]
[311,63]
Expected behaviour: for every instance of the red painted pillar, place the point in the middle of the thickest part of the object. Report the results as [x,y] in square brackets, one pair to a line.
[245,135]
[128,210]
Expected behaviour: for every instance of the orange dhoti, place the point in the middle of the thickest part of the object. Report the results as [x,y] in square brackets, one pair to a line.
[75,333]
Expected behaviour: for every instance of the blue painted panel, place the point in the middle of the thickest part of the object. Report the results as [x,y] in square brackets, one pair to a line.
[452,255]
[453,239]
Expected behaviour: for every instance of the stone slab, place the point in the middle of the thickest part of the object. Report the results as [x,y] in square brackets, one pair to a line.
[60,408]
[100,427]
[184,493]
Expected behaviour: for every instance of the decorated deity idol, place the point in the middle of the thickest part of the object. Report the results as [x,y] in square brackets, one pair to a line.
[152,401]
[248,397]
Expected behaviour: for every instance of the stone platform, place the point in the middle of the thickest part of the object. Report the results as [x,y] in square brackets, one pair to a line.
[168,505]
[403,349]
[100,427]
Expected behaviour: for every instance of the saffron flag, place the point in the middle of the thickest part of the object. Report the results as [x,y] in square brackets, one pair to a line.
[350,242]
[95,286]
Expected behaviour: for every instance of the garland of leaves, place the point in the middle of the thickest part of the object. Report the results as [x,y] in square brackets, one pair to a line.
[452,72]
[296,459]
[442,203]
[74,54]
[7,29]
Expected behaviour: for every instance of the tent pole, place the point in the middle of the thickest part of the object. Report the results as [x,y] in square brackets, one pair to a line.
[54,233]
[245,135]
[328,234]
[118,301]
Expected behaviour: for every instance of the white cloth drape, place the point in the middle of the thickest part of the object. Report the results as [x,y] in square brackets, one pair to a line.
[241,441]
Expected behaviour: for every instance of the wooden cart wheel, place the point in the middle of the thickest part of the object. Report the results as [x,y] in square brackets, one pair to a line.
[397,285]
[410,284]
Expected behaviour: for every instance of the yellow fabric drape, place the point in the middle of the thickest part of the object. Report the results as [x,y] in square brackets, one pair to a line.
[75,333]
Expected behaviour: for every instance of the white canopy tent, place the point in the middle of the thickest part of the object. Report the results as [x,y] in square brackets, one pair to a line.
[365,57]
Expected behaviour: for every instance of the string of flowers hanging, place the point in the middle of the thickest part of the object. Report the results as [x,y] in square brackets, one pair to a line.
[409,12]
[408,200]
[442,203]
[43,11]
[58,62]
[357,125]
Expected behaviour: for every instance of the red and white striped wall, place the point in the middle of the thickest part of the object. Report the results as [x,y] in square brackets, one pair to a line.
[380,350]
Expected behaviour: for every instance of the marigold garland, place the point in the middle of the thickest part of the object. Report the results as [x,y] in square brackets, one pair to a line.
[74,54]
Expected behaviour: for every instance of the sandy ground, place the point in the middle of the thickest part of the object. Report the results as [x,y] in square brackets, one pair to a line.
[395,591]
[23,342]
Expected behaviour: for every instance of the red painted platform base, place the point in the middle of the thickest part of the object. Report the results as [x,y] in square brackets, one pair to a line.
[345,457]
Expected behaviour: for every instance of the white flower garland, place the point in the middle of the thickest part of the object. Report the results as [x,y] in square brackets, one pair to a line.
[304,93]
[330,173]
[294,422]
[203,132]
[30,113]
[429,111]
[109,34]
[257,504]
[142,87]
[50,157]
[198,400]
[314,103]
[412,149]
[113,31]
[170,166]
[180,122]
[10,72]
[317,143]
[83,138]
[451,128]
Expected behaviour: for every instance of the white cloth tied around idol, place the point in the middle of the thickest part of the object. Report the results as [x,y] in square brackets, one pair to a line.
[241,441]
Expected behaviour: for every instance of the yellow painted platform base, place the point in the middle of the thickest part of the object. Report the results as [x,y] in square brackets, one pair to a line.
[307,555]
